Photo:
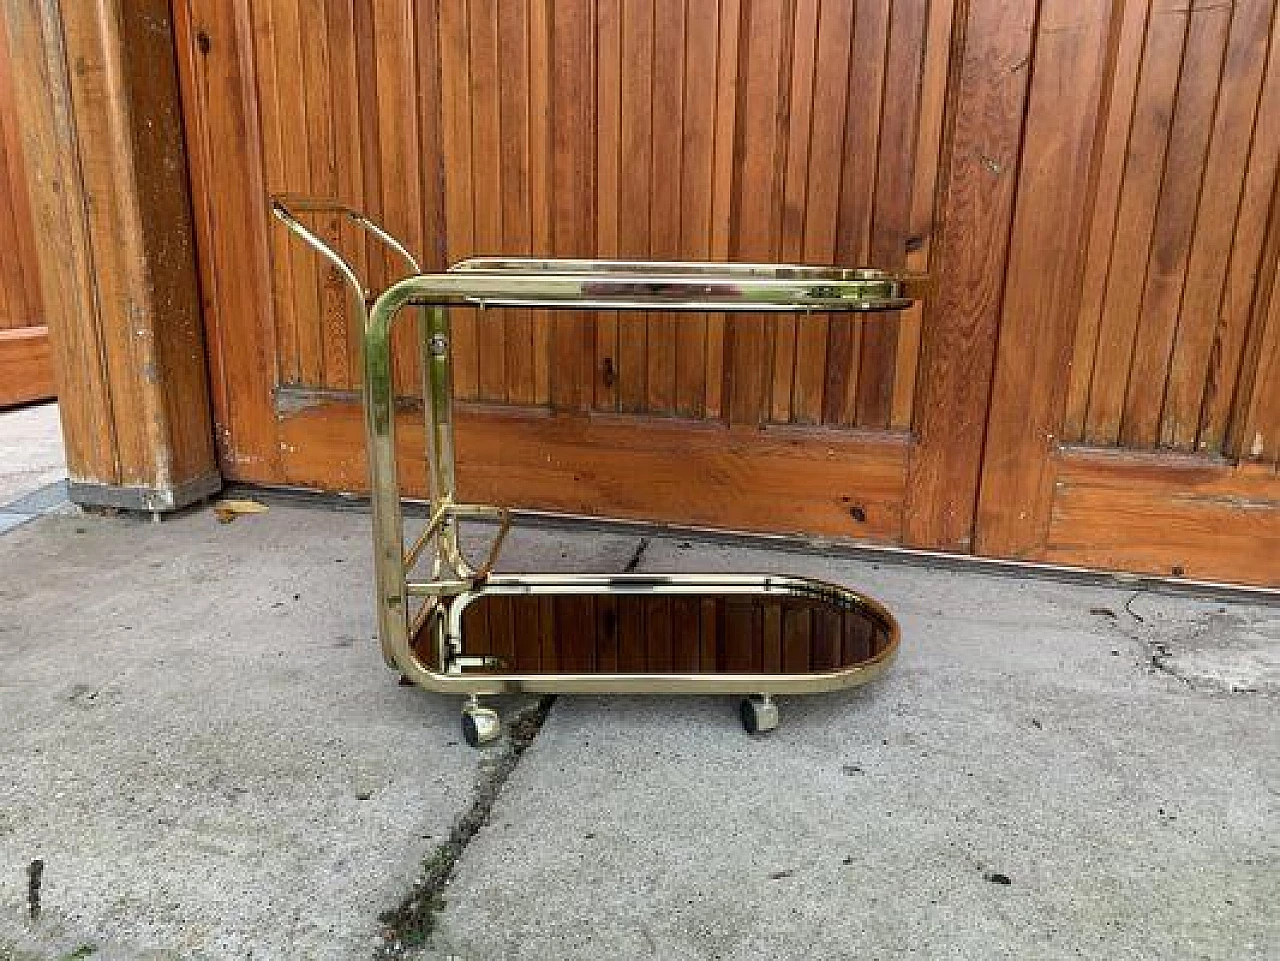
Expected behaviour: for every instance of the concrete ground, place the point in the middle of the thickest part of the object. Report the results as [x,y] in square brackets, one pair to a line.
[203,748]
[31,459]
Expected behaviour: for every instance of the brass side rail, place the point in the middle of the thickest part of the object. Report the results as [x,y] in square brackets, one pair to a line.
[454,582]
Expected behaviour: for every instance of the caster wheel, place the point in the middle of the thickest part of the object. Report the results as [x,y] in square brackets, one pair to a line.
[480,726]
[759,714]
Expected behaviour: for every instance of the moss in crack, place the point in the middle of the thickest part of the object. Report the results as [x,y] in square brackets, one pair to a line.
[411,922]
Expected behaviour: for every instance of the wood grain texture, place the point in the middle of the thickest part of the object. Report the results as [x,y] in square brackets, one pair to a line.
[104,144]
[1178,204]
[1255,429]
[1248,272]
[45,122]
[20,304]
[1220,198]
[218,70]
[1166,514]
[26,366]
[1090,186]
[960,323]
[573,82]
[891,205]
[1045,262]
[794,479]
[1124,57]
[1174,230]
[26,359]
[1148,140]
[624,127]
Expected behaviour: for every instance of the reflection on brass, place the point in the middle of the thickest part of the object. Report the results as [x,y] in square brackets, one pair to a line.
[459,627]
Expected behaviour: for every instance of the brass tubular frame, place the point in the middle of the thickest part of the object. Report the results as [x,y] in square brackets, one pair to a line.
[454,582]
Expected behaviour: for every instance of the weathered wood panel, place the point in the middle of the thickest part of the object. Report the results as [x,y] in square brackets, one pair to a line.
[26,363]
[989,89]
[1166,513]
[1188,135]
[101,134]
[783,478]
[26,366]
[677,129]
[1138,310]
[1091,186]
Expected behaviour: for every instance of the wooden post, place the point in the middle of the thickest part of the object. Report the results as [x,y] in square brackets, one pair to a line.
[101,134]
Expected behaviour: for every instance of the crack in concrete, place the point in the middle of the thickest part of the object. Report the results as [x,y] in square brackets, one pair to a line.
[1168,648]
[408,926]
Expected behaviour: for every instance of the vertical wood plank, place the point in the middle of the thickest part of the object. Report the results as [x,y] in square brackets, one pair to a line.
[1139,197]
[487,152]
[502,638]
[665,178]
[924,190]
[1124,57]
[547,634]
[795,185]
[891,207]
[434,251]
[526,633]
[711,635]
[576,627]
[771,639]
[828,627]
[1259,412]
[348,150]
[960,323]
[22,266]
[540,141]
[332,335]
[220,75]
[573,177]
[1255,426]
[396,42]
[697,171]
[859,639]
[293,267]
[1243,273]
[864,104]
[476,638]
[609,154]
[1220,199]
[322,338]
[634,209]
[760,153]
[1039,308]
[517,219]
[728,81]
[822,201]
[741,635]
[456,149]
[1180,192]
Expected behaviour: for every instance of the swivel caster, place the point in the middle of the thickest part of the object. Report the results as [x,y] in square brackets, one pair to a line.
[759,713]
[480,726]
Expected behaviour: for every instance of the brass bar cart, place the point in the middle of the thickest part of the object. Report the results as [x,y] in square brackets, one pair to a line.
[423,619]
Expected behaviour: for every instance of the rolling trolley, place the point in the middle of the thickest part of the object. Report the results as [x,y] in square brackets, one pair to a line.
[458,626]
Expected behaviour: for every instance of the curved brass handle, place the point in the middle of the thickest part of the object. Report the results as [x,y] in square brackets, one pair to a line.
[284,207]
